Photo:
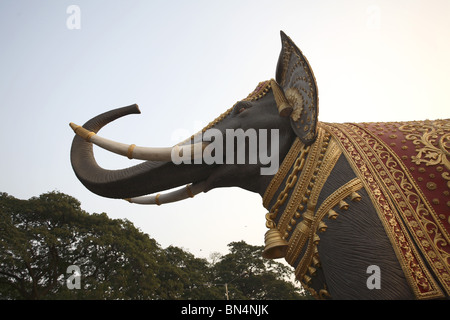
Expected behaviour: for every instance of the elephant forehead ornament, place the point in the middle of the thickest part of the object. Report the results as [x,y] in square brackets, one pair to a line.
[347,182]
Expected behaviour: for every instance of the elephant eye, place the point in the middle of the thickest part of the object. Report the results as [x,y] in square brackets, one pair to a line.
[241,106]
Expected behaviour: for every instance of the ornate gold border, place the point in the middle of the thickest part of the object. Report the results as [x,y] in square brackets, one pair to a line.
[297,197]
[331,201]
[367,166]
[323,170]
[320,168]
[278,178]
[415,210]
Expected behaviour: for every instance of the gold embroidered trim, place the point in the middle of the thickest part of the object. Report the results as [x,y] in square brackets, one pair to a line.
[330,202]
[308,169]
[290,182]
[368,164]
[423,136]
[261,90]
[325,165]
[299,196]
[286,165]
[295,99]
[429,234]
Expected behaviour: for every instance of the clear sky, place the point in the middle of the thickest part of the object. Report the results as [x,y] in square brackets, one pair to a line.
[186,62]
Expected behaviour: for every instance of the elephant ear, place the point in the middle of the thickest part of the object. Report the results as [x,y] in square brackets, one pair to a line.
[296,78]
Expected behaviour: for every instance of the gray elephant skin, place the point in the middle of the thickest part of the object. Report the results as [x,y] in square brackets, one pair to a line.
[360,211]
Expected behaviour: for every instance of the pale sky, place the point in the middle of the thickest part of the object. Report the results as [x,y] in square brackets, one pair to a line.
[186,62]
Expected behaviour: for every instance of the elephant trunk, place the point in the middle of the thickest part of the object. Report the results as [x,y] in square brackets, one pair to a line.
[142,179]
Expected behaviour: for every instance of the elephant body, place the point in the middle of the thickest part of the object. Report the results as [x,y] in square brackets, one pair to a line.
[388,221]
[361,211]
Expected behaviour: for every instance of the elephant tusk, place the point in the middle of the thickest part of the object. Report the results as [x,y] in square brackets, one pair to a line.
[188,191]
[135,152]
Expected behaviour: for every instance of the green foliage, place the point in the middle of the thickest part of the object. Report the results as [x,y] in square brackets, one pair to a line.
[187,277]
[41,237]
[249,276]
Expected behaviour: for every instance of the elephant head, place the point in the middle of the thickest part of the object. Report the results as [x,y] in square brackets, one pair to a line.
[346,179]
[242,147]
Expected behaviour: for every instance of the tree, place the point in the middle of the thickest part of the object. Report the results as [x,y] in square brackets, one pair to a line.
[249,276]
[188,277]
[42,236]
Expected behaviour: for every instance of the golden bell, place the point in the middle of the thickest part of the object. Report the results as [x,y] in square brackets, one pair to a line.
[355,197]
[275,246]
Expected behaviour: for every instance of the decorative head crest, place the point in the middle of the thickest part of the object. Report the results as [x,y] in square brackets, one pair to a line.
[295,76]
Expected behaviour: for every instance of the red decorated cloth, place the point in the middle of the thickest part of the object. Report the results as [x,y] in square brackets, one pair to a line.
[405,168]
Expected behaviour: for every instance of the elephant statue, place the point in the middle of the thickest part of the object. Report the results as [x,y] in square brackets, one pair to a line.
[359,210]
